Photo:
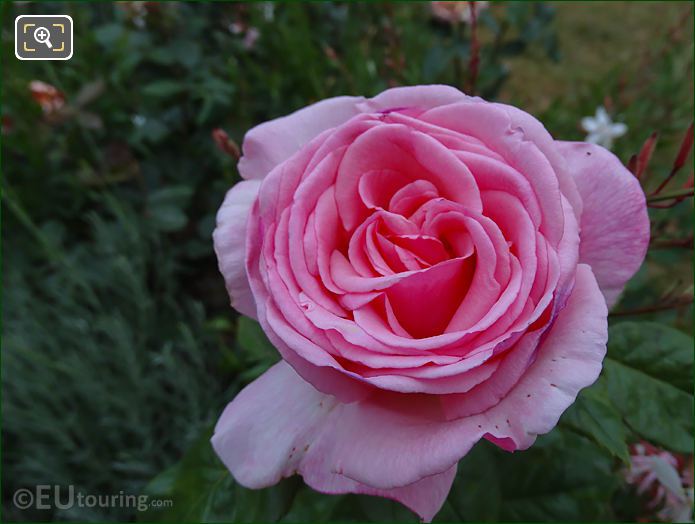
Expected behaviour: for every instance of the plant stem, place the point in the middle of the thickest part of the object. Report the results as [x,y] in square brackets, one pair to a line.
[653,309]
[672,243]
[681,193]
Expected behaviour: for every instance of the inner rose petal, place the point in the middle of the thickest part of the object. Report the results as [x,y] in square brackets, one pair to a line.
[377,187]
[493,174]
[371,254]
[414,154]
[397,257]
[411,196]
[450,139]
[427,249]
[372,264]
[424,302]
[495,126]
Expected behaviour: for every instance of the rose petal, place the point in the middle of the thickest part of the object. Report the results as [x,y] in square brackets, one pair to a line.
[280,425]
[267,145]
[267,432]
[493,125]
[229,239]
[361,443]
[418,98]
[424,302]
[262,434]
[614,223]
[424,497]
[396,147]
[536,132]
[568,360]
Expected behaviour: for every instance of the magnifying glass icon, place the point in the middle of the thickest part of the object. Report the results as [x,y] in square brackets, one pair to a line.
[42,36]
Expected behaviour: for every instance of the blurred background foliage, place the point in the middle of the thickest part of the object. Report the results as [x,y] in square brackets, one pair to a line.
[119,347]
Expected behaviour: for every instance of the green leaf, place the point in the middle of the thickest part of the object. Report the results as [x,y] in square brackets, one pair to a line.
[312,506]
[190,485]
[568,480]
[563,477]
[593,416]
[163,88]
[648,376]
[476,494]
[168,218]
[379,509]
[258,352]
[188,52]
[269,504]
[108,34]
[201,489]
[666,352]
[251,337]
[165,207]
[172,195]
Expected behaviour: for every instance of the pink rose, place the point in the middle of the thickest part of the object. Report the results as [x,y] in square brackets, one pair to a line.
[455,12]
[434,269]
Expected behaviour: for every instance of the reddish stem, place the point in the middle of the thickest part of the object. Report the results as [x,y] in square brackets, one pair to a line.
[632,165]
[645,154]
[655,308]
[678,196]
[679,162]
[225,144]
[671,243]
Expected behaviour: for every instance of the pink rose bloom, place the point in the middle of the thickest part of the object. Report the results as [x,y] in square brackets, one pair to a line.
[455,12]
[47,96]
[434,269]
[665,479]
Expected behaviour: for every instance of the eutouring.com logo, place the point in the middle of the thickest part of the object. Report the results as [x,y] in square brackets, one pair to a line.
[46,496]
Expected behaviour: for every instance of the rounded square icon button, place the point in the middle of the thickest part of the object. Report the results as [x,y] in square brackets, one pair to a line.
[43,37]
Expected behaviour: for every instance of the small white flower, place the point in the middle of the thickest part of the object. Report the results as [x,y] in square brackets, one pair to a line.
[251,37]
[235,28]
[601,129]
[268,11]
[138,120]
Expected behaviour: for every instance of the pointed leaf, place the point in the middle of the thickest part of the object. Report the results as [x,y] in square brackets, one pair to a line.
[593,416]
[648,377]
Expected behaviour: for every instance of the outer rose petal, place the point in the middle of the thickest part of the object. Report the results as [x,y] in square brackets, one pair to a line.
[267,431]
[280,425]
[389,441]
[614,221]
[270,143]
[535,131]
[424,497]
[569,360]
[420,98]
[229,238]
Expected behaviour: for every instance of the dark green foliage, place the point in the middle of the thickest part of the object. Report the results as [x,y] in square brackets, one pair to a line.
[648,375]
[201,490]
[594,416]
[563,477]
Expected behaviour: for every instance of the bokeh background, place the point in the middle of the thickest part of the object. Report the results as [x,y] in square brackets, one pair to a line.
[119,348]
